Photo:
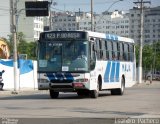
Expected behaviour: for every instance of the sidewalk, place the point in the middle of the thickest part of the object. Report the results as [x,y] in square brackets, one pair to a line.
[147,84]
[21,91]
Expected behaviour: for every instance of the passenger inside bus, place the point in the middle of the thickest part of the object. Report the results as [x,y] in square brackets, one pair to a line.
[82,55]
[56,56]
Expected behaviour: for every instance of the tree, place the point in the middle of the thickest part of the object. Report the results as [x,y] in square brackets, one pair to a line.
[156,56]
[23,47]
[147,57]
[151,56]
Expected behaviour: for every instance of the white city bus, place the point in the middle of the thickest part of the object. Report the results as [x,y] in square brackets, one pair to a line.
[85,62]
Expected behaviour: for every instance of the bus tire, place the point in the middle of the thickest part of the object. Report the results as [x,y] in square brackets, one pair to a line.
[53,94]
[119,91]
[95,93]
[82,92]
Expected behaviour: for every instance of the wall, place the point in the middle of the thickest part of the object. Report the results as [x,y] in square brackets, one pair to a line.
[27,74]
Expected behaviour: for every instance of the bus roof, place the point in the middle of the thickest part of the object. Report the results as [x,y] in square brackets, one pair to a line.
[110,36]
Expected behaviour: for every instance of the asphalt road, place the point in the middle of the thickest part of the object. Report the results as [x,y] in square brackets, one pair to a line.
[141,101]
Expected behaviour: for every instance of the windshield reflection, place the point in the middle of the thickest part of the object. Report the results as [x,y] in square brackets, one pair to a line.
[63,56]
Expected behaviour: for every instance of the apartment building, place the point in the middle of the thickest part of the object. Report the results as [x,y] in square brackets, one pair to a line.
[151,28]
[116,22]
[4,18]
[30,26]
[109,22]
[65,21]
[85,22]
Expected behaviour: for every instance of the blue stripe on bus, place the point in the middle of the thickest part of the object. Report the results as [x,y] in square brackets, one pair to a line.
[111,37]
[69,76]
[50,76]
[112,72]
[106,75]
[59,76]
[107,36]
[117,71]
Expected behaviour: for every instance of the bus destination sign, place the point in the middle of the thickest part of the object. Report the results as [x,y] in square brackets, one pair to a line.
[64,35]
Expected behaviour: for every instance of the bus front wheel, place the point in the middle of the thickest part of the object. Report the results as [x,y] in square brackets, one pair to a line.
[53,94]
[95,93]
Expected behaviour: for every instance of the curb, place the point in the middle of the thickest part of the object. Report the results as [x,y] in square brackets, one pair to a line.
[147,84]
[12,92]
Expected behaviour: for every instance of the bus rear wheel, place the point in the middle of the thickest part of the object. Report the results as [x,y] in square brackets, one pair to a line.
[53,94]
[119,91]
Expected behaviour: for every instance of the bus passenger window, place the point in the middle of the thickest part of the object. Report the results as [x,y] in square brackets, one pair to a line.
[107,54]
[114,53]
[109,48]
[126,52]
[101,54]
[92,56]
[121,51]
[113,56]
[131,51]
[118,51]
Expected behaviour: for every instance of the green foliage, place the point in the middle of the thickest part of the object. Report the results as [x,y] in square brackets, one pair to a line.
[9,42]
[156,50]
[23,47]
[147,57]
[151,56]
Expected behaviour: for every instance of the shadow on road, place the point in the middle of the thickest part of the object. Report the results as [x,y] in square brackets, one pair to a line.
[46,96]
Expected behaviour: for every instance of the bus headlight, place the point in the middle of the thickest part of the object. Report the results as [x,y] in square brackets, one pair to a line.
[43,81]
[82,80]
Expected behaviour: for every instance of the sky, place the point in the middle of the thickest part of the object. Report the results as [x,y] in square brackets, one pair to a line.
[98,5]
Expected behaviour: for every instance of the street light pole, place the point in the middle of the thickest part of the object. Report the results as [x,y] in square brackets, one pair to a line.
[13,31]
[141,39]
[106,10]
[141,45]
[91,15]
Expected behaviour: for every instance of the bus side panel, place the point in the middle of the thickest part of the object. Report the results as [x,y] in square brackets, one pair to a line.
[111,75]
[128,69]
[93,80]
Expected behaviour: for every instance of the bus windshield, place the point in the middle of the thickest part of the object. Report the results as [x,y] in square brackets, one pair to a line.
[63,56]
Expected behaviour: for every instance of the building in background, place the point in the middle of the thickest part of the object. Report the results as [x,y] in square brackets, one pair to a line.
[116,22]
[109,22]
[151,29]
[65,21]
[4,18]
[30,26]
[85,21]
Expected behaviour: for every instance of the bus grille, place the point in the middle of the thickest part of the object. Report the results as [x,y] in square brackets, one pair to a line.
[61,81]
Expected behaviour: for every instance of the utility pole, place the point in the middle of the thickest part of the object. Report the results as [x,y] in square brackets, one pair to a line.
[50,16]
[50,13]
[13,31]
[141,2]
[91,15]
